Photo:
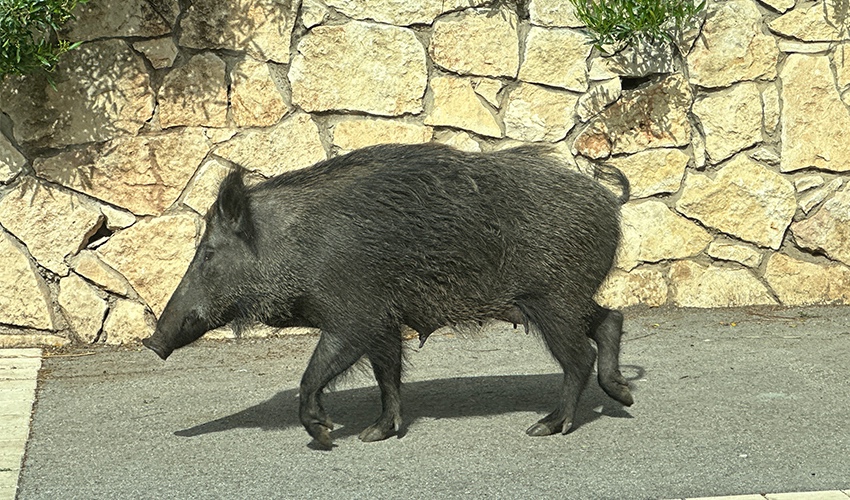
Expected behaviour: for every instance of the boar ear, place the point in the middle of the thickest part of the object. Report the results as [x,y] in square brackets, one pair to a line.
[232,207]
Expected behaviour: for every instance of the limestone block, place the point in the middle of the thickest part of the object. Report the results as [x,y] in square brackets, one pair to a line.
[556,57]
[841,62]
[735,252]
[25,300]
[698,147]
[117,218]
[98,19]
[764,155]
[102,91]
[161,52]
[153,255]
[313,13]
[51,222]
[553,13]
[814,198]
[292,144]
[400,12]
[126,323]
[261,28]
[828,230]
[732,47]
[641,286]
[89,265]
[488,88]
[642,59]
[255,100]
[652,233]
[534,113]
[601,69]
[811,24]
[32,340]
[815,123]
[744,199]
[652,117]
[564,154]
[770,108]
[654,171]
[807,182]
[731,119]
[598,98]
[458,140]
[194,95]
[477,43]
[456,104]
[261,331]
[83,307]
[779,5]
[804,47]
[219,135]
[144,174]
[695,285]
[359,66]
[356,133]
[203,190]
[799,283]
[11,160]
[221,333]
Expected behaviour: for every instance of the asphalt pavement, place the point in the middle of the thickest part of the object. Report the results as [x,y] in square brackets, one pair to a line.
[735,401]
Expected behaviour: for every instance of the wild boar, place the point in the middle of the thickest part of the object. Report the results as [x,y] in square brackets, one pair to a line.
[418,235]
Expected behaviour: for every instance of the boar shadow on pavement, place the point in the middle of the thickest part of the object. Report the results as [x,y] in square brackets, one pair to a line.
[352,410]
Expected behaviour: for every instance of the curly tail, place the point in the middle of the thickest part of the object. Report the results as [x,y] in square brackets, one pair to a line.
[612,175]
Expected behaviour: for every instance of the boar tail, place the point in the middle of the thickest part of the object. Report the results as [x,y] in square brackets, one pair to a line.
[610,174]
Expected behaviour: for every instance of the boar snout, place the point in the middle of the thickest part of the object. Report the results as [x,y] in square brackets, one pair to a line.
[160,350]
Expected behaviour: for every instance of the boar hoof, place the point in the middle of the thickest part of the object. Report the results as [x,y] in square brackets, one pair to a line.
[548,428]
[619,391]
[376,432]
[539,429]
[322,435]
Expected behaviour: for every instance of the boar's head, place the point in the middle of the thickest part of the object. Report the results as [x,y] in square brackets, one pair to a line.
[208,296]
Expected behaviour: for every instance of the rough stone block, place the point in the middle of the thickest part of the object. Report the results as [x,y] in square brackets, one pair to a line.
[456,104]
[359,66]
[732,46]
[695,285]
[477,43]
[741,187]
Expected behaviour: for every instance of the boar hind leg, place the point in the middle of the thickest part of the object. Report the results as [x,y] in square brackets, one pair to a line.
[385,356]
[566,337]
[607,337]
[333,356]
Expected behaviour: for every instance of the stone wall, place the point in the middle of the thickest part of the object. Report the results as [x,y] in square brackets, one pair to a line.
[736,154]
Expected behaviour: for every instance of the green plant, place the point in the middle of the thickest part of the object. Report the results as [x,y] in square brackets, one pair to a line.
[28,34]
[618,24]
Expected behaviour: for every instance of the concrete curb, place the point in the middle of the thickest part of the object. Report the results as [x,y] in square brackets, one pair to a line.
[18,373]
[803,495]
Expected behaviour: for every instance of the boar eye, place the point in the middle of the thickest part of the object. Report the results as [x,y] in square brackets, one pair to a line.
[208,255]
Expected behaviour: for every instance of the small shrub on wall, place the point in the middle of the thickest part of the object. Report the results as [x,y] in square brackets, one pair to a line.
[29,41]
[617,24]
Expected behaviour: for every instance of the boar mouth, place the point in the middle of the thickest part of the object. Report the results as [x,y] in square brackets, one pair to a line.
[160,351]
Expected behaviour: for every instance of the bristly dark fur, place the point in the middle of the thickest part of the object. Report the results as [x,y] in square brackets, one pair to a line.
[418,235]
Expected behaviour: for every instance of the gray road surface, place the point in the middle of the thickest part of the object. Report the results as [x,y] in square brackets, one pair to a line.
[727,401]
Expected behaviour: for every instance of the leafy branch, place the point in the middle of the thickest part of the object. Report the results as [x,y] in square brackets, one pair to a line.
[29,29]
[618,24]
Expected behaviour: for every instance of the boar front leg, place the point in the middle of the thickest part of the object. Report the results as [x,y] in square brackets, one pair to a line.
[385,356]
[333,356]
